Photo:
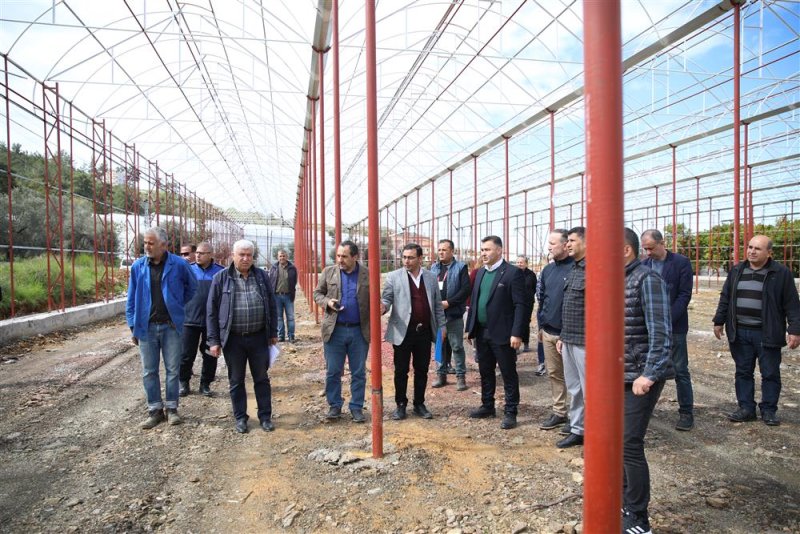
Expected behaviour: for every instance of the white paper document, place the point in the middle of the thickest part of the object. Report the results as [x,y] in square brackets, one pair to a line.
[274,350]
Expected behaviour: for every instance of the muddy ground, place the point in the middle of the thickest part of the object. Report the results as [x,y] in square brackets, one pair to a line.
[75,460]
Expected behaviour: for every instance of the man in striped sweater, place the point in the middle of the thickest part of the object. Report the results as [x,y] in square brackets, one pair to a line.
[758,307]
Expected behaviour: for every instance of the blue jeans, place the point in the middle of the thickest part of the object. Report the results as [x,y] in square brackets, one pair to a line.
[346,341]
[162,339]
[455,340]
[683,380]
[285,304]
[746,349]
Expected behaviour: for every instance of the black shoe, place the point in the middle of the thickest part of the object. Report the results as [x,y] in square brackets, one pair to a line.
[185,390]
[685,422]
[154,417]
[282,339]
[741,415]
[421,411]
[205,390]
[552,422]
[334,412]
[358,415]
[770,419]
[509,421]
[483,412]
[267,426]
[441,381]
[241,426]
[292,340]
[566,430]
[399,412]
[570,441]
[634,524]
[541,370]
[451,370]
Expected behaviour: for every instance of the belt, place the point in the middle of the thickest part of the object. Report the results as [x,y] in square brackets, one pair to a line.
[256,332]
[347,325]
[161,322]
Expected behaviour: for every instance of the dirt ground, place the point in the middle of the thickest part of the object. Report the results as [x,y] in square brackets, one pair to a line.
[75,460]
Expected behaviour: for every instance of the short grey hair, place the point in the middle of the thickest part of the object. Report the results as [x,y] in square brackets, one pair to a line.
[653,234]
[159,232]
[244,244]
[281,251]
[205,244]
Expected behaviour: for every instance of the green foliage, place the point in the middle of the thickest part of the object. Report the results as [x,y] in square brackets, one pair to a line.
[30,283]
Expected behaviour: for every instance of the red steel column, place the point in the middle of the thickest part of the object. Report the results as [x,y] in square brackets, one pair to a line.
[475,205]
[737,15]
[9,181]
[337,165]
[604,279]
[507,235]
[525,224]
[674,206]
[315,207]
[450,213]
[697,237]
[374,230]
[433,216]
[747,196]
[323,235]
[552,170]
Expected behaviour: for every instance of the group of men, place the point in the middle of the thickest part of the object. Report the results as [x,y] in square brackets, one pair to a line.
[758,307]
[175,307]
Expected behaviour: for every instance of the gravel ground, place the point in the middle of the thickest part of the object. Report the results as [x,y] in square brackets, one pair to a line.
[75,460]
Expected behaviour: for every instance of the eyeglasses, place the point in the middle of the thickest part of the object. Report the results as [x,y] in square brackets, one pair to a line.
[198,253]
[185,253]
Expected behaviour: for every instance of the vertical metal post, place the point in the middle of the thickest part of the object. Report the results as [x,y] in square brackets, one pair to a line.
[323,234]
[525,224]
[737,15]
[697,236]
[475,205]
[674,205]
[450,212]
[10,185]
[71,204]
[433,216]
[747,197]
[710,240]
[374,230]
[507,235]
[337,165]
[315,208]
[552,170]
[604,279]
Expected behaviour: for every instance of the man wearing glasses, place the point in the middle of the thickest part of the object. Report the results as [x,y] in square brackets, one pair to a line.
[194,327]
[189,252]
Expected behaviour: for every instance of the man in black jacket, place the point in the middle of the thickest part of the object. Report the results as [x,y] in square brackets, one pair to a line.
[530,295]
[758,299]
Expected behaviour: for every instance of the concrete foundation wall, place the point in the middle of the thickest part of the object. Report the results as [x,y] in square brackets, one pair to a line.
[44,323]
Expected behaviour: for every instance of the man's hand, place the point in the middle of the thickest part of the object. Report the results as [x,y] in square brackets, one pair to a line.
[333,304]
[794,341]
[516,342]
[469,340]
[539,336]
[444,333]
[445,305]
[642,385]
[136,340]
[559,346]
[718,331]
[273,340]
[215,351]
[383,308]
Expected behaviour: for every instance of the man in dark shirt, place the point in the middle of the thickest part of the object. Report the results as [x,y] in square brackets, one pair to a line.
[160,285]
[530,296]
[758,307]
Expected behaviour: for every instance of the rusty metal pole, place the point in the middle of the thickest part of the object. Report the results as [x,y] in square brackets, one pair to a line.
[747,197]
[315,208]
[450,212]
[552,170]
[506,229]
[697,237]
[710,240]
[525,224]
[475,205]
[433,216]
[374,230]
[10,184]
[674,205]
[737,15]
[323,234]
[604,279]
[337,165]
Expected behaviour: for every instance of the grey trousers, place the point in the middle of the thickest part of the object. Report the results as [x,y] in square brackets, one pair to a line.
[575,377]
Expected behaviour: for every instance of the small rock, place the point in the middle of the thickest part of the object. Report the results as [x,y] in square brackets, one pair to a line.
[518,527]
[577,478]
[374,491]
[289,519]
[73,502]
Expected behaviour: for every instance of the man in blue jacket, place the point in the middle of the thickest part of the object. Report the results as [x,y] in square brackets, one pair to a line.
[758,307]
[160,285]
[676,270]
[194,327]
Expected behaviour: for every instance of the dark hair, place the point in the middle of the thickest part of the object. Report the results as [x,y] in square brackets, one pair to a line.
[192,245]
[633,240]
[653,234]
[452,245]
[352,246]
[494,239]
[580,230]
[415,247]
[564,234]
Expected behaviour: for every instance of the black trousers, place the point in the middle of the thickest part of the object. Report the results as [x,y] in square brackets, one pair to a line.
[491,354]
[192,335]
[526,328]
[416,347]
[636,474]
[239,352]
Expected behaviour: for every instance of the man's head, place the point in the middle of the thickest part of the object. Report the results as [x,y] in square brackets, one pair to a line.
[205,254]
[446,250]
[576,243]
[412,257]
[189,253]
[758,251]
[155,242]
[283,257]
[631,248]
[653,245]
[491,249]
[347,256]
[522,262]
[243,255]
[557,244]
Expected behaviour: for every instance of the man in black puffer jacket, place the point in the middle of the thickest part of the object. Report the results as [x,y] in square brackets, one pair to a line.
[648,363]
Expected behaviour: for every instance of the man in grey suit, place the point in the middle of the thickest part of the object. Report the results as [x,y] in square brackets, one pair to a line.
[412,293]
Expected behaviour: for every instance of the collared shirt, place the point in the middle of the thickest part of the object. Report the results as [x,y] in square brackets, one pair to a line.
[248,305]
[350,313]
[493,266]
[573,329]
[282,285]
[657,266]
[415,279]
